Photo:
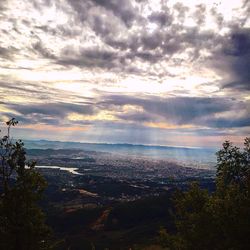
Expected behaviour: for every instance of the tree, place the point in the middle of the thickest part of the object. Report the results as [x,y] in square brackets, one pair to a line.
[22,222]
[233,164]
[220,220]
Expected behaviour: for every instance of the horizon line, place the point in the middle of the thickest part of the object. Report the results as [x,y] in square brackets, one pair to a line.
[121,143]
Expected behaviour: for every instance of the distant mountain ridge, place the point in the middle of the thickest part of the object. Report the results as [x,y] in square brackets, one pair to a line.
[43,143]
[184,154]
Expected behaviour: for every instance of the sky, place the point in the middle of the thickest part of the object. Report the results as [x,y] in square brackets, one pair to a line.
[126,71]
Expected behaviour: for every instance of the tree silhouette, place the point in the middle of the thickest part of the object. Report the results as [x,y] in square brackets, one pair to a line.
[22,222]
[220,220]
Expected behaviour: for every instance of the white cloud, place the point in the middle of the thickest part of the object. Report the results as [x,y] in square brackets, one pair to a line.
[82,50]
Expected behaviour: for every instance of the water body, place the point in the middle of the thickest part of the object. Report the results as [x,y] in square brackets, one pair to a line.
[70,170]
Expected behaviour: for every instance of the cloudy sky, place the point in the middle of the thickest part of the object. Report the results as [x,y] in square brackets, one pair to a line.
[136,71]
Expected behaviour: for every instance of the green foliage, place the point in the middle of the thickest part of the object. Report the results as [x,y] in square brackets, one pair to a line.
[22,223]
[233,164]
[220,220]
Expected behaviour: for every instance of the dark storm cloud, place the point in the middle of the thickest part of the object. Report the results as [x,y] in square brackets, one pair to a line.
[122,8]
[136,116]
[239,43]
[180,110]
[236,53]
[88,58]
[5,53]
[81,7]
[41,50]
[152,41]
[113,23]
[103,16]
[161,18]
[229,122]
[149,47]
[149,42]
[32,119]
[53,109]
[48,113]
[98,12]
[8,52]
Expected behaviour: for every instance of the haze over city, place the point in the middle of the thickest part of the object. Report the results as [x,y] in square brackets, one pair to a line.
[128,71]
